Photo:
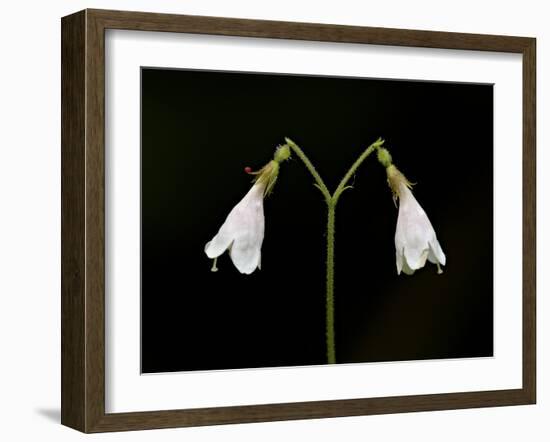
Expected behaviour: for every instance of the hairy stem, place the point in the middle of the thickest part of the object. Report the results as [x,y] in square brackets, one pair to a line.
[318,180]
[331,347]
[331,201]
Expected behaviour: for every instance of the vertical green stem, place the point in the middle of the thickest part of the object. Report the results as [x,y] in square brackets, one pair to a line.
[331,348]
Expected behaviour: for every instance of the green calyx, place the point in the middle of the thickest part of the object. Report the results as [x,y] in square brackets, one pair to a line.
[395,180]
[282,153]
[268,174]
[384,157]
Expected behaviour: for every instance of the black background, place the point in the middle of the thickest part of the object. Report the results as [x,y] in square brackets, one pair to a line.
[200,129]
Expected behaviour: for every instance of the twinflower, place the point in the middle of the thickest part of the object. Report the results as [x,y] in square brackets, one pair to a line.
[415,238]
[242,233]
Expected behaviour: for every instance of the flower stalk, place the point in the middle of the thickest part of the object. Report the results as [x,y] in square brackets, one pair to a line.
[331,345]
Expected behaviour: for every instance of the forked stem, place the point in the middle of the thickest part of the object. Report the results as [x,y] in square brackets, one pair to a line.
[331,201]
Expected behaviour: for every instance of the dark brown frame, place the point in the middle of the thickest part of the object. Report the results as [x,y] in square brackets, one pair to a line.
[83,216]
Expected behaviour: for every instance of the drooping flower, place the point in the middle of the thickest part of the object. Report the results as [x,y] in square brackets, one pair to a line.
[415,238]
[242,233]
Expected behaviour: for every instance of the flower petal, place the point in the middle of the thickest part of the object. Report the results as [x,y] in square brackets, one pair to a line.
[414,259]
[406,269]
[220,243]
[436,254]
[399,260]
[246,256]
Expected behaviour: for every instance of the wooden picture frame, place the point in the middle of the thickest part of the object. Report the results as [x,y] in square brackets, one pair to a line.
[83,220]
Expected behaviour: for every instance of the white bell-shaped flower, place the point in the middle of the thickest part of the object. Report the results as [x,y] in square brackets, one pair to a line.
[242,232]
[415,238]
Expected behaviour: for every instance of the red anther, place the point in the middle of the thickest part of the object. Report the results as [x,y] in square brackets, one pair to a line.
[248,169]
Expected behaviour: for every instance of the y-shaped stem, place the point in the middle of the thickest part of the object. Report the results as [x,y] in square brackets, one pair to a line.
[331,201]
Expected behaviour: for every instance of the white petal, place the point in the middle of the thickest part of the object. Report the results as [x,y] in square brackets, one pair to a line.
[219,244]
[399,260]
[245,256]
[406,269]
[415,260]
[436,254]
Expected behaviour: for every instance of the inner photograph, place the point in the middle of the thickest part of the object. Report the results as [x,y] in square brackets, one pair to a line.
[296,220]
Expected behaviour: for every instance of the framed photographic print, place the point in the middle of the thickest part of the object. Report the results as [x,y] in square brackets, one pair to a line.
[270,220]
